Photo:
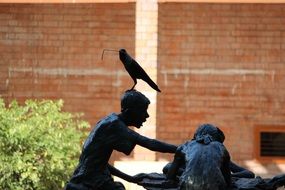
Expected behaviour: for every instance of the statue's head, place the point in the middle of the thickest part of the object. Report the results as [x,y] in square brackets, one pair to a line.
[134,106]
[210,130]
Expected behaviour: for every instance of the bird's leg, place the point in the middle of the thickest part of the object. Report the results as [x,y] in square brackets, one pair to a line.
[135,83]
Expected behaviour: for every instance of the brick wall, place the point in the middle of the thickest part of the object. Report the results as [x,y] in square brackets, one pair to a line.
[54,51]
[220,64]
[217,63]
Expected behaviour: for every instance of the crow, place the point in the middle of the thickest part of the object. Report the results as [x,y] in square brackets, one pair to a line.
[134,69]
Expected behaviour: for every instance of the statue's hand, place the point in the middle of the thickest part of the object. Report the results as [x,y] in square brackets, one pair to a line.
[139,177]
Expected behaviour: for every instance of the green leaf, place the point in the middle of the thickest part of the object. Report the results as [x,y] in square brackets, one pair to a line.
[39,144]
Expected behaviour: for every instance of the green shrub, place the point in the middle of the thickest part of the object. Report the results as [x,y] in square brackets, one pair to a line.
[39,145]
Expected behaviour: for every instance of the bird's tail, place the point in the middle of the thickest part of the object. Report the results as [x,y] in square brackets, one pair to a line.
[152,84]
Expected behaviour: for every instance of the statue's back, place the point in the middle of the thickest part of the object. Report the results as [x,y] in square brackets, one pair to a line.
[205,166]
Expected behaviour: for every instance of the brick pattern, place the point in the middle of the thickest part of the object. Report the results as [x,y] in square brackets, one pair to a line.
[217,63]
[220,64]
[54,51]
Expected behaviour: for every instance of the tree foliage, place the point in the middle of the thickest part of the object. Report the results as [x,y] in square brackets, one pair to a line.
[39,145]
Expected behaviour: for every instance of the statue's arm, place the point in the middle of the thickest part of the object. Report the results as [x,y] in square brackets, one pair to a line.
[226,167]
[175,165]
[238,171]
[114,171]
[155,145]
[133,179]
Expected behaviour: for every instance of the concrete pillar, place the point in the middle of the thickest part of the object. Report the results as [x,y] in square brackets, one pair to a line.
[146,55]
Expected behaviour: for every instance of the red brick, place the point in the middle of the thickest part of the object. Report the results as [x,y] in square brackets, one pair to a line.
[72,37]
[193,38]
[244,37]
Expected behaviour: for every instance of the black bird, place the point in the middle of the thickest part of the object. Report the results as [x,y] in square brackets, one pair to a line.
[134,69]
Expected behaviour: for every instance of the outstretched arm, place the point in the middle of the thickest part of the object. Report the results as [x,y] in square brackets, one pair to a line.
[238,171]
[114,171]
[133,179]
[155,145]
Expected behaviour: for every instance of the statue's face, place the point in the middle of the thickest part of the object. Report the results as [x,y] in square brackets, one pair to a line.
[139,116]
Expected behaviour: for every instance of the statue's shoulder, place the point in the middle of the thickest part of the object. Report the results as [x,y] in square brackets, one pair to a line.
[110,119]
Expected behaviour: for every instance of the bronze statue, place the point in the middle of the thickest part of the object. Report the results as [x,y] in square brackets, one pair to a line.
[203,163]
[204,160]
[112,133]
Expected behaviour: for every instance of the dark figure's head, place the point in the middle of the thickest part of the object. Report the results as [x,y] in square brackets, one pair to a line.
[209,130]
[134,107]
